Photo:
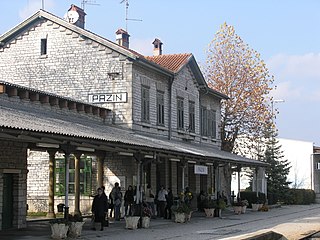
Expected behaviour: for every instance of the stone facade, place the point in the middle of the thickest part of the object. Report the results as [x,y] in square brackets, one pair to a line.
[77,64]
[13,167]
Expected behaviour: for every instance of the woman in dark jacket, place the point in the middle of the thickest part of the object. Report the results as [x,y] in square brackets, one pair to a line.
[100,207]
[128,201]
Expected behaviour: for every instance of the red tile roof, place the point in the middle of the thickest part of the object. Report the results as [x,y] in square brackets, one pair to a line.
[172,62]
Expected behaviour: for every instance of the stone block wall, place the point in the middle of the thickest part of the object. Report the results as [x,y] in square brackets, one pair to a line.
[74,66]
[13,161]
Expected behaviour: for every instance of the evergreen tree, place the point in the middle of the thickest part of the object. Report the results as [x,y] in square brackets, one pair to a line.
[277,171]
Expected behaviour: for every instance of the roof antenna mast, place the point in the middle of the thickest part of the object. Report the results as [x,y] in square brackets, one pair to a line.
[88,2]
[127,10]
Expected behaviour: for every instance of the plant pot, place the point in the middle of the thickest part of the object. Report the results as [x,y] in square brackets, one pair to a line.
[209,212]
[237,209]
[145,222]
[243,209]
[59,230]
[217,212]
[255,207]
[180,217]
[75,229]
[132,222]
[188,216]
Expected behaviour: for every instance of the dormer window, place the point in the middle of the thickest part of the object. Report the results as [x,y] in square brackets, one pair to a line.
[43,46]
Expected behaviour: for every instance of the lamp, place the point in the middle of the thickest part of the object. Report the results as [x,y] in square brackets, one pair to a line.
[48,145]
[85,149]
[130,154]
[174,159]
[192,162]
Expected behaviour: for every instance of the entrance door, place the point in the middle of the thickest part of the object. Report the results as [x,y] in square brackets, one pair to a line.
[7,210]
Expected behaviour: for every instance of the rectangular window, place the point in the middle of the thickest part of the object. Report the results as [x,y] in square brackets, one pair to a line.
[145,104]
[212,127]
[180,114]
[191,116]
[204,121]
[43,46]
[160,108]
[85,176]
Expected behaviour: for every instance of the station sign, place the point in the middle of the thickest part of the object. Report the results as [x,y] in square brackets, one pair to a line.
[108,98]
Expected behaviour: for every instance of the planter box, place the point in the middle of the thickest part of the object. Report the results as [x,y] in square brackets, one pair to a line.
[132,222]
[255,207]
[209,212]
[243,209]
[180,217]
[145,222]
[237,209]
[59,230]
[75,229]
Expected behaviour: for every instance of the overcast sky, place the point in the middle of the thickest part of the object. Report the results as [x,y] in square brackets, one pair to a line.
[285,32]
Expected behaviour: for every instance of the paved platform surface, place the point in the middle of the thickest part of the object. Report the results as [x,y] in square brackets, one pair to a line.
[293,222]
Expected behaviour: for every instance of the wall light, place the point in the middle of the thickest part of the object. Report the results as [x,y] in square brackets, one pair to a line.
[192,162]
[209,164]
[85,149]
[48,145]
[126,154]
[174,159]
[148,156]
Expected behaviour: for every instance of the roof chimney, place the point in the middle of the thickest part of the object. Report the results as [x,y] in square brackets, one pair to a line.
[122,38]
[157,47]
[76,16]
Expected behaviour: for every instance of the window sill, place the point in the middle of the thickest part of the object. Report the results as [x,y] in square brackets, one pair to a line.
[44,56]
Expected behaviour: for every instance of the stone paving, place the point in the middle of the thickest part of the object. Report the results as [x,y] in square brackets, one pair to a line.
[294,222]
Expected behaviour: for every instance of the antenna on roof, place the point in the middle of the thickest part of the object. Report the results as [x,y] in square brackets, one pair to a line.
[88,2]
[42,4]
[127,10]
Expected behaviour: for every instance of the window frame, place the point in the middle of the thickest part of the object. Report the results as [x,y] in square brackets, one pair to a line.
[192,109]
[85,176]
[160,108]
[44,46]
[145,104]
[180,113]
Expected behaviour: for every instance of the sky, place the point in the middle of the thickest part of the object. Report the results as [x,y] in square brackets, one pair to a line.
[285,32]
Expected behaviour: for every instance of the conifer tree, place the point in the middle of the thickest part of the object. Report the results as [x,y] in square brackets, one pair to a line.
[278,170]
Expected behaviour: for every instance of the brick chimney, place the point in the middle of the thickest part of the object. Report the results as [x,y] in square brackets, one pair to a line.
[122,38]
[157,47]
[76,16]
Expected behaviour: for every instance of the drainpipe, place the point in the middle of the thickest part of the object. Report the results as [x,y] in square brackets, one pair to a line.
[170,107]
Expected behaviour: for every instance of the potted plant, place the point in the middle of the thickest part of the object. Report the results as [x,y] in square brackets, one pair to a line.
[209,207]
[59,228]
[132,221]
[221,204]
[244,204]
[146,215]
[237,207]
[76,224]
[182,212]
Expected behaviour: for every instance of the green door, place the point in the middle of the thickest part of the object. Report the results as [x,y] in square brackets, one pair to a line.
[7,210]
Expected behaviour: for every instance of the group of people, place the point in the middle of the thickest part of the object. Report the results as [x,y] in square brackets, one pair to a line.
[163,201]
[159,204]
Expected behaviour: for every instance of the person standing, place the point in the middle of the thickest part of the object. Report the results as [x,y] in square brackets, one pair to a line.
[117,200]
[150,199]
[162,201]
[128,201]
[169,198]
[100,208]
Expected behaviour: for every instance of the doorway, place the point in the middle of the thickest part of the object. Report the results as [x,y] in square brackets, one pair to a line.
[7,208]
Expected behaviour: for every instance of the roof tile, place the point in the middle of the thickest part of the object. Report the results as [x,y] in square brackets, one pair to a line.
[172,62]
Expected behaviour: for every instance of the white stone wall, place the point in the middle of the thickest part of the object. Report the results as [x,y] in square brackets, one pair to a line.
[73,67]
